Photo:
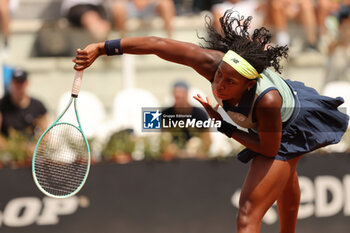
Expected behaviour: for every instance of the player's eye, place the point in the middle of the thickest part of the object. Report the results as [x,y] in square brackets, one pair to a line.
[230,81]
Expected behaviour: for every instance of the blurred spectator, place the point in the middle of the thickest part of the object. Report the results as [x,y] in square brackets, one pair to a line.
[193,6]
[202,5]
[186,138]
[124,9]
[278,12]
[183,7]
[89,14]
[19,111]
[243,7]
[5,20]
[338,62]
[323,10]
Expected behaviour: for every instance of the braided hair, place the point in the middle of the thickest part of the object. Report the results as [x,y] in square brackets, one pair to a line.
[234,35]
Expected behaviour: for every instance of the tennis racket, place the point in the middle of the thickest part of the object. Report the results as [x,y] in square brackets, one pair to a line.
[61,159]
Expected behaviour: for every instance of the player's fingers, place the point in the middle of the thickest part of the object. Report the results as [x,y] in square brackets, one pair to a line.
[200,97]
[204,104]
[81,57]
[76,60]
[78,67]
[81,52]
[80,62]
[196,98]
[208,100]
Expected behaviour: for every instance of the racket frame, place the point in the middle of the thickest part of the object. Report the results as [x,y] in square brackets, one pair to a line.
[73,99]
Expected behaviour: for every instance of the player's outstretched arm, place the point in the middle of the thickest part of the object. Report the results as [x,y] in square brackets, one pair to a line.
[204,61]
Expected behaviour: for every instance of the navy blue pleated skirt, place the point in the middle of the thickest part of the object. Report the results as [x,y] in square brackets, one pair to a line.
[316,122]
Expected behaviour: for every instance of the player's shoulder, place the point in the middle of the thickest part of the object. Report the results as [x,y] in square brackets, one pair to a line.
[271,101]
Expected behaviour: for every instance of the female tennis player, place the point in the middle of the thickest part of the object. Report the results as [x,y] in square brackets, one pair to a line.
[285,118]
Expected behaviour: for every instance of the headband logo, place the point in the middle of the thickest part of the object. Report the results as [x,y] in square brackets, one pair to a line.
[241,65]
[235,60]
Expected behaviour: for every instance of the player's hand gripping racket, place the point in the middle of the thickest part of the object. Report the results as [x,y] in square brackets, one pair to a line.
[61,159]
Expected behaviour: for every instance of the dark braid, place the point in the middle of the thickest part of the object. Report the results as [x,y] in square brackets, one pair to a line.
[256,48]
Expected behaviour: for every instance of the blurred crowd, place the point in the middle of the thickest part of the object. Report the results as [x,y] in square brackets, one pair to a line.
[320,19]
[324,27]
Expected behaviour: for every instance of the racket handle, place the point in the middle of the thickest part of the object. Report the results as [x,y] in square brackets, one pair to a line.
[77,83]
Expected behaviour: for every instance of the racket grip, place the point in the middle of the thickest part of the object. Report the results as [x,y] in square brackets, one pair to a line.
[77,83]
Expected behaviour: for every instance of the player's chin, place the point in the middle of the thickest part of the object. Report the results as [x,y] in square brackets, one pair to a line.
[223,96]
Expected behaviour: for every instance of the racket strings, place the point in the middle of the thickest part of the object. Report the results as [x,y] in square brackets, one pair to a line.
[61,160]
